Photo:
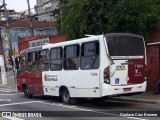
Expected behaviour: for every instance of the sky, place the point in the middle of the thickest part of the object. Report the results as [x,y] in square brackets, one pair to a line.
[18,5]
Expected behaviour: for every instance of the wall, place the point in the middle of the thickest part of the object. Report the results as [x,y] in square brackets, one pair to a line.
[16,33]
[23,42]
[153,58]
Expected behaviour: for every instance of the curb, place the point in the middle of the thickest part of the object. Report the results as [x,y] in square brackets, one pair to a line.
[136,100]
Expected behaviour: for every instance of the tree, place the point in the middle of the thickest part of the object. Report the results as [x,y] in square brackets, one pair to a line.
[80,17]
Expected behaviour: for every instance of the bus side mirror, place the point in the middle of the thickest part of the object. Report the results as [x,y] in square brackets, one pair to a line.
[112,69]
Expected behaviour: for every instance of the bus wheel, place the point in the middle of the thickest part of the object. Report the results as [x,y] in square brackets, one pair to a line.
[66,97]
[27,93]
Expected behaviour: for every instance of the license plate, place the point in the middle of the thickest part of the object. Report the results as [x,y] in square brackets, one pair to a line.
[126,89]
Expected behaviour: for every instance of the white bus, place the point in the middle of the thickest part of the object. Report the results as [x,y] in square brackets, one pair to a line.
[92,67]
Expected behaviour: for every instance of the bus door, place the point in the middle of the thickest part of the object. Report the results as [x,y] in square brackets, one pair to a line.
[43,65]
[34,74]
[127,53]
[90,61]
[21,71]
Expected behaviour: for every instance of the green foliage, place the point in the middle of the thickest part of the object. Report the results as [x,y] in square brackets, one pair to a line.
[80,17]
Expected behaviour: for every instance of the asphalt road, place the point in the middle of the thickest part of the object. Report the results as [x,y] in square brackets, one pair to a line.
[13,103]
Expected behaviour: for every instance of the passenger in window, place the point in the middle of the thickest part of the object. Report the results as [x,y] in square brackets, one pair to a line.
[41,65]
[22,64]
[29,61]
[71,64]
[40,59]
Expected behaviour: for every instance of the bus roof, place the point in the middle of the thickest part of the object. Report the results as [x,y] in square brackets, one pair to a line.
[31,49]
[85,39]
[122,34]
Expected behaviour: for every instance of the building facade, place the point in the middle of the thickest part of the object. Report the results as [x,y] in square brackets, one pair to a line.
[45,9]
[19,29]
[12,14]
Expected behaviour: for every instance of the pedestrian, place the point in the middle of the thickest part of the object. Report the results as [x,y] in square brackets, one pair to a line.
[157,89]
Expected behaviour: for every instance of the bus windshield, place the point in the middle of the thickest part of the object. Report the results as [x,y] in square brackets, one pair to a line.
[125,46]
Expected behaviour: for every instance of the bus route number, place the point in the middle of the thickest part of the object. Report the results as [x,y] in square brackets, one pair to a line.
[93,74]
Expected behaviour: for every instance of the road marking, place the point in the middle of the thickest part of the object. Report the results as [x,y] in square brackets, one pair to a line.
[76,108]
[137,118]
[13,118]
[7,89]
[19,103]
[4,86]
[5,100]
[12,94]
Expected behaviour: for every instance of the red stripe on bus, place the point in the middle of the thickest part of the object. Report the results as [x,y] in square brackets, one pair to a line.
[136,70]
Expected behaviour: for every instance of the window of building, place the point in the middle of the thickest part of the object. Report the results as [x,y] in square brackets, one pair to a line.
[43,60]
[71,57]
[90,55]
[32,61]
[56,59]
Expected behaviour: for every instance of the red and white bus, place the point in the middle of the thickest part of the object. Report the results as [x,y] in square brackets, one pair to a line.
[92,67]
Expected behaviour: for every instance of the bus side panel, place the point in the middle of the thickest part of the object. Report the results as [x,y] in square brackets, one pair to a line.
[86,83]
[33,80]
[36,83]
[19,80]
[50,83]
[24,79]
[80,83]
[104,63]
[136,71]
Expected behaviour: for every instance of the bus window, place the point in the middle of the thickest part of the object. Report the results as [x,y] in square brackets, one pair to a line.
[43,60]
[22,64]
[56,59]
[32,61]
[71,57]
[125,46]
[90,55]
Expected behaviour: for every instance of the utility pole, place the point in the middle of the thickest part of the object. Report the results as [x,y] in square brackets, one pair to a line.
[30,18]
[11,57]
[1,43]
[7,28]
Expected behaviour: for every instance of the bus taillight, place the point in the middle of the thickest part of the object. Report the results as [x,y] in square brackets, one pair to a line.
[106,76]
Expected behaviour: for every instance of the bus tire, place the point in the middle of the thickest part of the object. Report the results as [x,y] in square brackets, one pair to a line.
[66,97]
[26,92]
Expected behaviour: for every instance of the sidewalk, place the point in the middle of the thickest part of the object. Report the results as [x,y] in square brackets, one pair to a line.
[146,97]
[11,83]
